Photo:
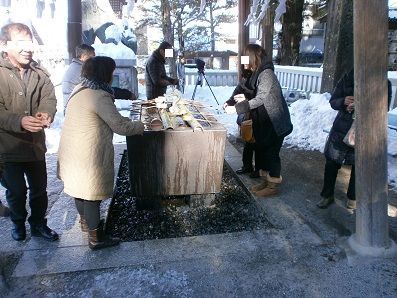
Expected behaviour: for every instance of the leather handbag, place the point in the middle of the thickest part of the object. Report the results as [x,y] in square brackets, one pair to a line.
[246,131]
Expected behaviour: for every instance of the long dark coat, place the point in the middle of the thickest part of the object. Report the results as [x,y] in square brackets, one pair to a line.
[335,148]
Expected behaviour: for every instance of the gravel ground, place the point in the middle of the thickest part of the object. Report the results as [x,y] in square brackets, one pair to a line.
[233,211]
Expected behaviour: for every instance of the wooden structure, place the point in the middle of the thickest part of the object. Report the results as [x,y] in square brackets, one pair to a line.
[370,92]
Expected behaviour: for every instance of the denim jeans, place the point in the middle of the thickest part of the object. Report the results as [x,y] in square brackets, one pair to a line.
[16,191]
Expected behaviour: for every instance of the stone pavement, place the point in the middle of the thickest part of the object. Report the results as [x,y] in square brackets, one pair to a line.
[305,254]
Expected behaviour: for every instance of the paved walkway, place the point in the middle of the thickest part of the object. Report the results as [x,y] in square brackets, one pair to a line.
[305,254]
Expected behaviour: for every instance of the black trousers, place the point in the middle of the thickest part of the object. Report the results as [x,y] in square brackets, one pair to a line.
[330,175]
[248,154]
[269,158]
[16,191]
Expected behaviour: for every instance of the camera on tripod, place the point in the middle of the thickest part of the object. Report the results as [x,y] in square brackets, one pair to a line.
[200,64]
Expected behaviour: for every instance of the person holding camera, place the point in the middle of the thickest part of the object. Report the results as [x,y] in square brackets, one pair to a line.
[155,75]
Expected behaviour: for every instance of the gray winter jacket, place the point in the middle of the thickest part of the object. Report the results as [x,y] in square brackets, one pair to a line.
[18,100]
[70,79]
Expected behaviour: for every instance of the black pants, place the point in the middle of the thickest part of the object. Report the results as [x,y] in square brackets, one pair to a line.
[16,190]
[248,154]
[330,175]
[269,158]
[90,210]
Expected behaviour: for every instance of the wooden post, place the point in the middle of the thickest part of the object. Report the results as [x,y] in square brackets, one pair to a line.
[74,27]
[370,95]
[243,31]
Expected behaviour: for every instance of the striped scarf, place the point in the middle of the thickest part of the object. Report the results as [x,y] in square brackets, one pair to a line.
[96,86]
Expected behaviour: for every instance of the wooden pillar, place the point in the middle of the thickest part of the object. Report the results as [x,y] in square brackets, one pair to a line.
[74,27]
[243,31]
[370,95]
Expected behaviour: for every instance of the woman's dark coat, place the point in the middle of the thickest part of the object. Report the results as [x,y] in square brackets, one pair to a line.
[335,148]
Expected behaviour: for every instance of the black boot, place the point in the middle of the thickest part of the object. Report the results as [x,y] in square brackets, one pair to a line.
[97,238]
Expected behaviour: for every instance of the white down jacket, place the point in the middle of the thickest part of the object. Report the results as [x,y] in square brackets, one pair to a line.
[86,153]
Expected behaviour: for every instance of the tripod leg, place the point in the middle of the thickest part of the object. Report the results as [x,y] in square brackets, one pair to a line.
[195,88]
[210,88]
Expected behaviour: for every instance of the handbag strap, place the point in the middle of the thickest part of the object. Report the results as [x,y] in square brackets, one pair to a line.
[73,94]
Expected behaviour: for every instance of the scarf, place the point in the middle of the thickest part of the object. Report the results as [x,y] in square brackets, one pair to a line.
[249,84]
[96,86]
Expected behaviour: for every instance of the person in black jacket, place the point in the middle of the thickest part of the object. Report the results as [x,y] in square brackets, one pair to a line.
[249,147]
[336,151]
[155,75]
[271,120]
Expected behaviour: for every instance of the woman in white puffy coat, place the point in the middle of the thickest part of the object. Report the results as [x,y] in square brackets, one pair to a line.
[86,153]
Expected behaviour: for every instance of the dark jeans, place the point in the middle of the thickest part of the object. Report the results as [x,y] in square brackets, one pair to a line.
[90,210]
[269,158]
[248,153]
[16,190]
[330,174]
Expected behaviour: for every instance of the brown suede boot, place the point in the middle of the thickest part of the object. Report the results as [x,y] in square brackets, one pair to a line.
[263,183]
[272,188]
[4,211]
[83,223]
[97,238]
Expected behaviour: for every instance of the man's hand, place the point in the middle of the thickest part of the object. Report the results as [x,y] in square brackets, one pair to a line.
[348,100]
[31,124]
[44,118]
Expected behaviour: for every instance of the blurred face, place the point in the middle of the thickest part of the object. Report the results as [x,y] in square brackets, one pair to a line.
[20,49]
[85,57]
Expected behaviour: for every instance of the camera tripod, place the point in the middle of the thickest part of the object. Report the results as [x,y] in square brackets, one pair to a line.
[199,81]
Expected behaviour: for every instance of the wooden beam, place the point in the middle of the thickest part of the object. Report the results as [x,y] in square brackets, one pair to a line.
[370,96]
[243,34]
[74,27]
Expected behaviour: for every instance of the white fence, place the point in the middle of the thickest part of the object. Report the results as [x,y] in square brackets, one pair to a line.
[297,81]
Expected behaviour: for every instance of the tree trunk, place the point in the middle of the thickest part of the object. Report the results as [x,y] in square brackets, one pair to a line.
[291,33]
[267,31]
[338,48]
[168,32]
[211,64]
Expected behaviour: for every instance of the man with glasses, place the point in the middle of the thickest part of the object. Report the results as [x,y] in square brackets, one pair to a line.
[27,106]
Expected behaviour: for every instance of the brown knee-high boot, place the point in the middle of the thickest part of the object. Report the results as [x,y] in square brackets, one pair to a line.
[271,188]
[263,182]
[83,223]
[97,238]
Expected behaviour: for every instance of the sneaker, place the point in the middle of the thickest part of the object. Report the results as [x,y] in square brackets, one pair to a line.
[351,204]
